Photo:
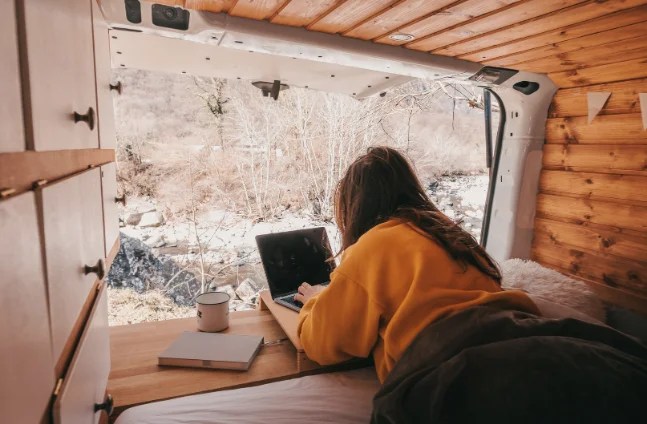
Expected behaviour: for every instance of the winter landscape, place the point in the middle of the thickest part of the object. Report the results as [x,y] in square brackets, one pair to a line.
[206,165]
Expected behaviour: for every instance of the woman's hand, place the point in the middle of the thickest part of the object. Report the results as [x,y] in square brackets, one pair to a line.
[306,292]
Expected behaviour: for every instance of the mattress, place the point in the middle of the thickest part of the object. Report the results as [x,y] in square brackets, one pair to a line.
[342,397]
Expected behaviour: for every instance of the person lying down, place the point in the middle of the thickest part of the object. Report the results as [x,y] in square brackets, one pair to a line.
[424,299]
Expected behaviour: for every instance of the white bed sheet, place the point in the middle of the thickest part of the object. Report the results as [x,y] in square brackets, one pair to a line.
[341,397]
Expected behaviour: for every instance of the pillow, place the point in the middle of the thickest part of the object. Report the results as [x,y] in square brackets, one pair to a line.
[550,285]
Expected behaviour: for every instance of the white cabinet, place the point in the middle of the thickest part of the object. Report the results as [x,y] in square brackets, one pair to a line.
[85,383]
[26,364]
[73,232]
[103,79]
[12,137]
[60,74]
[110,210]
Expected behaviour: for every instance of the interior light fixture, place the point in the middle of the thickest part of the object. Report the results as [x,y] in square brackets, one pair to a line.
[401,37]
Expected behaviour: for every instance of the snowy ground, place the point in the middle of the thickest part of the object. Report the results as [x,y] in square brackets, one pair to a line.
[158,277]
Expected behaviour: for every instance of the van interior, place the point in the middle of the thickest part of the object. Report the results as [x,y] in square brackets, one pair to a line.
[567,164]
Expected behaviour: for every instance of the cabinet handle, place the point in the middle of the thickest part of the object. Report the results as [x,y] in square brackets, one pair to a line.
[121,199]
[88,118]
[99,268]
[107,405]
[117,87]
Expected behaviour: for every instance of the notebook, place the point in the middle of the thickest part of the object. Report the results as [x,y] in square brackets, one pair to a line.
[212,350]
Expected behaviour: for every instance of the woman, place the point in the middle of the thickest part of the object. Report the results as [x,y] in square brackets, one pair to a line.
[404,265]
[450,346]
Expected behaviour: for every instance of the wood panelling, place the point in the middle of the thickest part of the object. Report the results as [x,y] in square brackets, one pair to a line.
[605,129]
[612,271]
[459,12]
[599,158]
[535,46]
[519,12]
[302,12]
[572,101]
[604,38]
[592,208]
[595,239]
[579,210]
[256,9]
[616,51]
[591,185]
[398,15]
[536,18]
[349,13]
[619,71]
[207,5]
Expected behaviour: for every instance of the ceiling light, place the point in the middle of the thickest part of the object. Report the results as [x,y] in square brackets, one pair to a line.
[401,37]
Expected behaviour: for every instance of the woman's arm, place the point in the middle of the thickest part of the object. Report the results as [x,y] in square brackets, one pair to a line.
[339,323]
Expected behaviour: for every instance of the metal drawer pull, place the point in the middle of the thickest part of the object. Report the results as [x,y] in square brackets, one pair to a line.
[117,87]
[121,199]
[99,269]
[88,118]
[107,405]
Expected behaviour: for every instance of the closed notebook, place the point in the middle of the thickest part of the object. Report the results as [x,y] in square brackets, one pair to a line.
[212,350]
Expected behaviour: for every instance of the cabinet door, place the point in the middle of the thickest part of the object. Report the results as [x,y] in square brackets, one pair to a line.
[103,80]
[11,124]
[87,378]
[26,364]
[60,64]
[73,230]
[110,210]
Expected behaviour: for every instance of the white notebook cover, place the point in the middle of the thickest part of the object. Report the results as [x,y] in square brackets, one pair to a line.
[212,350]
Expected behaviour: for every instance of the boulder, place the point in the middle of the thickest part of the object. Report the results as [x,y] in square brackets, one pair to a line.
[248,290]
[151,219]
[156,240]
[133,218]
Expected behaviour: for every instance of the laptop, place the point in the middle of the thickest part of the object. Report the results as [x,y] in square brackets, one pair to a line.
[294,257]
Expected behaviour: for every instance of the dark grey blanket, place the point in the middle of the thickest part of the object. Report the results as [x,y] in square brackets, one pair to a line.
[489,365]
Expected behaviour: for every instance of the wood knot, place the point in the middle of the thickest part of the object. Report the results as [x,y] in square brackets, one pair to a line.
[589,181]
[609,281]
[607,242]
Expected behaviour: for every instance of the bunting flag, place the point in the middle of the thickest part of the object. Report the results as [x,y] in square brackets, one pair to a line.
[643,108]
[596,101]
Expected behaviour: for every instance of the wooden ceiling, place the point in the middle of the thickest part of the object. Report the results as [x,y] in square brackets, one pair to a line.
[576,42]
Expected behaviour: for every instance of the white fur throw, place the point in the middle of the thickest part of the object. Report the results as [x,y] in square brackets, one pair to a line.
[546,283]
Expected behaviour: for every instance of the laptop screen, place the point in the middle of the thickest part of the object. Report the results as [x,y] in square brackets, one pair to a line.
[293,257]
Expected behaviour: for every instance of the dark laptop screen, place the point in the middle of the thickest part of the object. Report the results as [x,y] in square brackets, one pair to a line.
[293,257]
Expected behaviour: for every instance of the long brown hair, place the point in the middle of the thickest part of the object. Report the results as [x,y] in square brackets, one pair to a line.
[382,185]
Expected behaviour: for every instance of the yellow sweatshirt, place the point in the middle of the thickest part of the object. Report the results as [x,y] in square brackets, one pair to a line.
[391,284]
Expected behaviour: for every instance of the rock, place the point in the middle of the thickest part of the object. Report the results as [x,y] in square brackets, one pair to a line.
[248,290]
[151,219]
[133,218]
[156,241]
[136,267]
[229,289]
[235,304]
[246,306]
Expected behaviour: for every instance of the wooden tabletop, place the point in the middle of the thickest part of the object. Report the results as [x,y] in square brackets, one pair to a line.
[135,377]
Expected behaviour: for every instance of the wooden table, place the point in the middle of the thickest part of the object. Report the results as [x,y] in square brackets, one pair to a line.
[135,377]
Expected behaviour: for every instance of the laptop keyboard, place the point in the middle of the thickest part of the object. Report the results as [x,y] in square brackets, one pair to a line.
[290,300]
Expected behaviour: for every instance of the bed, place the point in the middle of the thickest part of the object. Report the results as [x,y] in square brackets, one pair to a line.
[300,400]
[309,399]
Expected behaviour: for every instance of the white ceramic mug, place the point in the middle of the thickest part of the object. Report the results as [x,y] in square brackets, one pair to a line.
[213,311]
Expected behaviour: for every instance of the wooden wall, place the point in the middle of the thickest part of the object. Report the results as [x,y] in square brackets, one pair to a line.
[591,218]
